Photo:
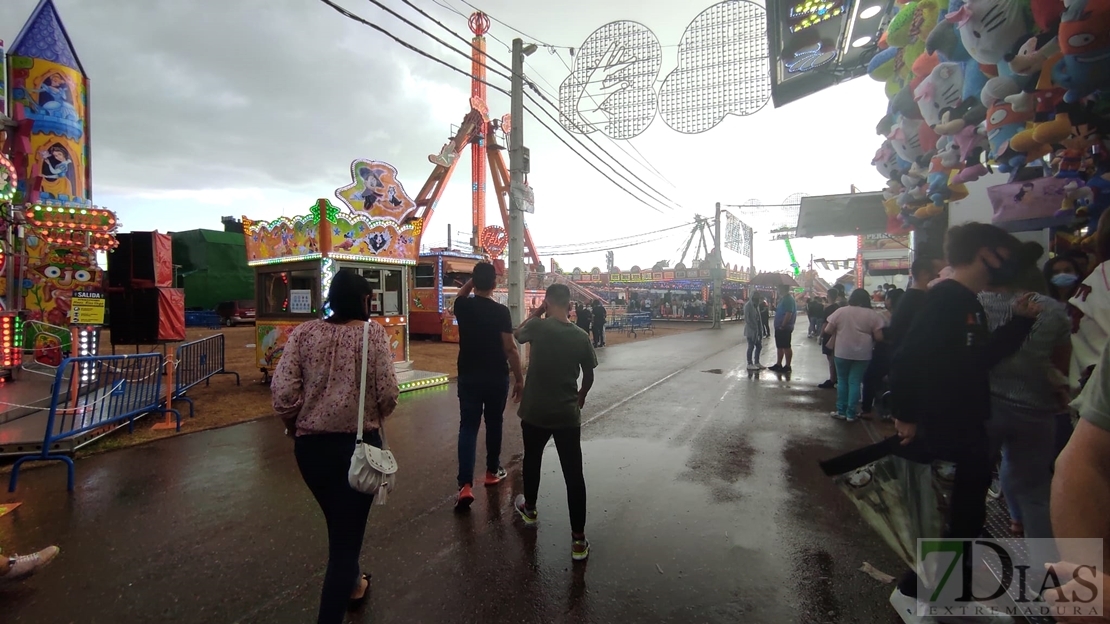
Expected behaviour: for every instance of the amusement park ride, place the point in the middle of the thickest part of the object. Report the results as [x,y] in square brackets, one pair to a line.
[379,234]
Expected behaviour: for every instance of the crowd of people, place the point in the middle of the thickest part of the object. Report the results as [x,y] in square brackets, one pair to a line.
[982,362]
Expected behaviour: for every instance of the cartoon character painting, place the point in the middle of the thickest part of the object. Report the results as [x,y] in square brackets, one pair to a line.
[376,191]
[49,101]
[53,275]
[59,179]
[54,97]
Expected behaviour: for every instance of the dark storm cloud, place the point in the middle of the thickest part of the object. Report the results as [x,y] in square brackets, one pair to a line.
[191,94]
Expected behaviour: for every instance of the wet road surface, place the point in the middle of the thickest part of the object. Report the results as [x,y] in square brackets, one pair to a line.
[705,505]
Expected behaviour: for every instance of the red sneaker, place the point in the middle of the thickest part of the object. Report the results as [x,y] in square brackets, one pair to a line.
[465,497]
[493,478]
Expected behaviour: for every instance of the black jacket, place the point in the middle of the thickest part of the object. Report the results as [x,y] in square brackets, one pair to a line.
[940,372]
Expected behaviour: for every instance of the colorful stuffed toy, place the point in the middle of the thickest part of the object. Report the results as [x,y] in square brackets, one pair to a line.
[1085,43]
[942,89]
[991,29]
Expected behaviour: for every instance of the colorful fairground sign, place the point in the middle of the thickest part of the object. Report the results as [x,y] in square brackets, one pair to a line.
[378,225]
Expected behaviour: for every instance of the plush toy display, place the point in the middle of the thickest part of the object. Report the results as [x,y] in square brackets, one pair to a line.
[1020,86]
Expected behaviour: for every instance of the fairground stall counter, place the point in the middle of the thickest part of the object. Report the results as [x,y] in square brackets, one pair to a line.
[665,285]
[376,234]
[439,276]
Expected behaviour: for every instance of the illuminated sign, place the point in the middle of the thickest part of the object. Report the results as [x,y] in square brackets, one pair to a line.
[812,12]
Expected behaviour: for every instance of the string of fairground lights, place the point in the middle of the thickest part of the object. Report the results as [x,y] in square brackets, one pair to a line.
[530,84]
[427,55]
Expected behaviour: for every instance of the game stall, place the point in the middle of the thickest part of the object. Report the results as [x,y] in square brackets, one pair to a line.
[376,233]
[1030,101]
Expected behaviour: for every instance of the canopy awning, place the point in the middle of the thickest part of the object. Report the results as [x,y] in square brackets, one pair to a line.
[841,215]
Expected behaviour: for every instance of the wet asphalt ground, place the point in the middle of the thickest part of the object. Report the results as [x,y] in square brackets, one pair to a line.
[705,505]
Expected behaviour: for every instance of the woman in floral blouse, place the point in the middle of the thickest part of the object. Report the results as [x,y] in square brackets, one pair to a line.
[315,392]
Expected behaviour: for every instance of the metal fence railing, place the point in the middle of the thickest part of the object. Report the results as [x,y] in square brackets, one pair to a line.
[96,392]
[196,362]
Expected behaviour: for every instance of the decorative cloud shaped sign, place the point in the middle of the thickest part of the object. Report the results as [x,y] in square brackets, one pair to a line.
[612,86]
[723,68]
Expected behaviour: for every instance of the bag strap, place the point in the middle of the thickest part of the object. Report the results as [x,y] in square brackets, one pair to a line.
[362,391]
[362,382]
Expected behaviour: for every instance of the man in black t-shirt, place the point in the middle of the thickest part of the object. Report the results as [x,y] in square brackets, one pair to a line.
[487,352]
[815,311]
[599,324]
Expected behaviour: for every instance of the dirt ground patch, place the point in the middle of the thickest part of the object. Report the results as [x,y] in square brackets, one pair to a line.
[221,403]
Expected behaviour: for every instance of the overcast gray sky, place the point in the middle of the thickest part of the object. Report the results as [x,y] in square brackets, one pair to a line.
[253,107]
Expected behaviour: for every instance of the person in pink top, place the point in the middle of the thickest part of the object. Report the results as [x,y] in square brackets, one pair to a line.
[315,392]
[854,330]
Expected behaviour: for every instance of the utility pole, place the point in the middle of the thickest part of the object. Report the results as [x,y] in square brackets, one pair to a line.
[718,270]
[516,186]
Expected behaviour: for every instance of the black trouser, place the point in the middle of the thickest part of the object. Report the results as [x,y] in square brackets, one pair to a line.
[568,442]
[324,460]
[967,510]
[599,335]
[873,378]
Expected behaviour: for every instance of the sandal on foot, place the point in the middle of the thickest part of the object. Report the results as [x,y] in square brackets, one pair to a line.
[355,603]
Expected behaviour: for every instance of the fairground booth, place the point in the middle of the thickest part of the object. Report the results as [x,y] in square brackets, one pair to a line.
[376,232]
[665,288]
[1003,125]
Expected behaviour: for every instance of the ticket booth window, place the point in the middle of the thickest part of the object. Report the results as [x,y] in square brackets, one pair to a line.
[281,291]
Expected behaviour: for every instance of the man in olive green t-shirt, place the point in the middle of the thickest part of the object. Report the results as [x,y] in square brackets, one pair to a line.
[551,407]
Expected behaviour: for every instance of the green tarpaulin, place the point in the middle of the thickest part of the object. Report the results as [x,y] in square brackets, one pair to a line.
[212,267]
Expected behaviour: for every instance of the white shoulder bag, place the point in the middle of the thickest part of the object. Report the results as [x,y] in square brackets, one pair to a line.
[373,470]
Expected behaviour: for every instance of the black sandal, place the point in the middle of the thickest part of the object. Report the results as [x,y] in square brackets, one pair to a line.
[355,603]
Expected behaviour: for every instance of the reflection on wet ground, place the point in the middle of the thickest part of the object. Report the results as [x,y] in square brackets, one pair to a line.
[705,505]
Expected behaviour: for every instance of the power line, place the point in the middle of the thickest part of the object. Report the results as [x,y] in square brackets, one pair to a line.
[405,44]
[534,88]
[606,248]
[622,238]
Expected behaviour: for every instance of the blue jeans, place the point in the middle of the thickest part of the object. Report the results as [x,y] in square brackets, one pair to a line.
[480,395]
[754,345]
[849,374]
[1027,440]
[814,325]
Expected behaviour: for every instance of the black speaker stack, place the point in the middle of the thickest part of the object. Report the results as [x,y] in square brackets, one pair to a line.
[143,307]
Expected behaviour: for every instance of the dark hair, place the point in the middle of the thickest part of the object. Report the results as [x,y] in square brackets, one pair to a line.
[893,296]
[860,298]
[558,295]
[347,297]
[921,265]
[1027,277]
[484,276]
[964,242]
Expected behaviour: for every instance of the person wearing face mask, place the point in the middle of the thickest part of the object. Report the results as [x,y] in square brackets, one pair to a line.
[1063,277]
[940,379]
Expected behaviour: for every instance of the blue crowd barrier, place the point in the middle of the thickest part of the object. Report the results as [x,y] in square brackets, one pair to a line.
[95,392]
[202,318]
[196,362]
[640,322]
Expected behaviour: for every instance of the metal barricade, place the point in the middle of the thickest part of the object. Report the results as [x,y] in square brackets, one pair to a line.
[97,392]
[640,322]
[196,362]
